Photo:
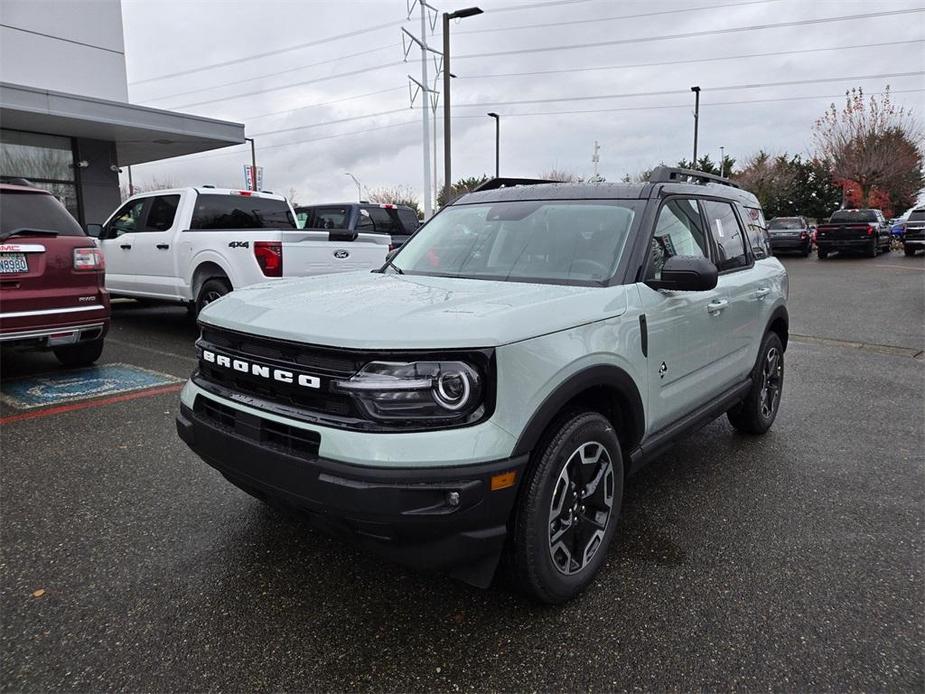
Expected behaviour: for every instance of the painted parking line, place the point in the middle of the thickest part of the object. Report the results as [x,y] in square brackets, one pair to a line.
[51,389]
[86,404]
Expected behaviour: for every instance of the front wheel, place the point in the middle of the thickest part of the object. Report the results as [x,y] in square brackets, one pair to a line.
[568,510]
[81,354]
[757,412]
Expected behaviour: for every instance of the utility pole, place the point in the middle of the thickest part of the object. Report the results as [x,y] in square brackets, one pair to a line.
[497,143]
[696,91]
[447,16]
[423,87]
[722,160]
[596,159]
[253,163]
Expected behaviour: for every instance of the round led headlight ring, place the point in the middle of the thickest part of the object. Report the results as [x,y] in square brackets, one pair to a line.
[453,390]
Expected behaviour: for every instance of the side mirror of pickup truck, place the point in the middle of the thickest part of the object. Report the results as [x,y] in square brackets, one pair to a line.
[686,273]
[95,230]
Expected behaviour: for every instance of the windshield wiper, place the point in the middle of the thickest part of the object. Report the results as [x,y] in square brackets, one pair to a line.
[389,263]
[23,230]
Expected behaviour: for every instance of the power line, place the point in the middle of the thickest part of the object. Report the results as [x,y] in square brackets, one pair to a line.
[690,60]
[278,51]
[324,103]
[596,97]
[691,34]
[276,73]
[597,20]
[331,122]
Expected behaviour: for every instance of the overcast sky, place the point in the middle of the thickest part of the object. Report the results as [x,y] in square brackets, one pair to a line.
[635,131]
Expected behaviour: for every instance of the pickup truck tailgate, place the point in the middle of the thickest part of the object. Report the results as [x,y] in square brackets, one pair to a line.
[312,252]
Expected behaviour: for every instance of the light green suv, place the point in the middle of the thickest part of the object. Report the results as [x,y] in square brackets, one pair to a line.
[484,396]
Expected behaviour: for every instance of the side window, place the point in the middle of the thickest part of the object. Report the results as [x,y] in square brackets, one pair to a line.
[408,219]
[330,218]
[302,216]
[364,221]
[382,220]
[724,226]
[127,220]
[756,233]
[162,212]
[678,231]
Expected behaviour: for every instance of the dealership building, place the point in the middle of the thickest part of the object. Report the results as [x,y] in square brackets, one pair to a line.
[65,121]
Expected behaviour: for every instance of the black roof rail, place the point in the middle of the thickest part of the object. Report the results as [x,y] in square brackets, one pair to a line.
[495,183]
[667,174]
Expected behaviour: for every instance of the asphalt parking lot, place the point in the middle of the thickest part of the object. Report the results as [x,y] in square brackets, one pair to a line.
[790,562]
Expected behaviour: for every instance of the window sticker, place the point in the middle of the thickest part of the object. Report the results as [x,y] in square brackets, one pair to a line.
[719,228]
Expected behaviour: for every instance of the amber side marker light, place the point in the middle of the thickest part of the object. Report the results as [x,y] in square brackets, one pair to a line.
[503,480]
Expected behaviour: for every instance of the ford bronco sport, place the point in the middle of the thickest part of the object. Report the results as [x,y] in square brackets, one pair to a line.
[486,393]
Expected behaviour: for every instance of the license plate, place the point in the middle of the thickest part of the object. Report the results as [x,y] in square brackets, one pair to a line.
[13,262]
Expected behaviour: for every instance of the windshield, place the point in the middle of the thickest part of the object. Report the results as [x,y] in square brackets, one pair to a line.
[792,223]
[854,216]
[917,216]
[547,241]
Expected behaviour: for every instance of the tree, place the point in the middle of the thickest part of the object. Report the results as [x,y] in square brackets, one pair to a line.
[873,149]
[788,186]
[460,188]
[560,175]
[396,195]
[706,165]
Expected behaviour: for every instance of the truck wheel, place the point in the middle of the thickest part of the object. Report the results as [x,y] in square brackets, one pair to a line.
[81,354]
[568,509]
[874,248]
[757,412]
[211,290]
[823,254]
[909,250]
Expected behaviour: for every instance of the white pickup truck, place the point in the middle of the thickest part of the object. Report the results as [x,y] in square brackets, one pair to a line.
[193,245]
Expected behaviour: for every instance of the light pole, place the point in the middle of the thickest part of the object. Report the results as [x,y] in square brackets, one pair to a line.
[722,160]
[497,144]
[253,163]
[696,91]
[359,188]
[447,16]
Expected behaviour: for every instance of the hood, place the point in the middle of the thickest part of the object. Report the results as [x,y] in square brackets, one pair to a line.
[363,310]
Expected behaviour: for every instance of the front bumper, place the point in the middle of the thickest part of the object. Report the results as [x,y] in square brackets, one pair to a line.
[405,514]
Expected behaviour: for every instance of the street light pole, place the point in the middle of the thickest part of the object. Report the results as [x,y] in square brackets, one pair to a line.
[253,163]
[497,144]
[722,160]
[696,91]
[447,16]
[359,188]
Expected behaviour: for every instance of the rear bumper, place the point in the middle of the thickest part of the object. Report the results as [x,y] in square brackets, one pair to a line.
[791,244]
[404,514]
[831,244]
[44,337]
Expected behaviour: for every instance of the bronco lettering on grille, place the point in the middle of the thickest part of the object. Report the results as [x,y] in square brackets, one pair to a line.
[260,370]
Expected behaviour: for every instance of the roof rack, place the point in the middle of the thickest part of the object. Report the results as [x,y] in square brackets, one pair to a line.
[667,174]
[495,183]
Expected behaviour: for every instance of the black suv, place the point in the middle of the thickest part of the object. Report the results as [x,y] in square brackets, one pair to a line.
[360,218]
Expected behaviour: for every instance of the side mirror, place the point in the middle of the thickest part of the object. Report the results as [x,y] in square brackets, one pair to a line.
[95,230]
[686,273]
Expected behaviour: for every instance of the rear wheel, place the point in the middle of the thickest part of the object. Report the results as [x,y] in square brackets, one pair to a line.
[757,412]
[568,510]
[873,249]
[212,290]
[823,254]
[909,250]
[81,354]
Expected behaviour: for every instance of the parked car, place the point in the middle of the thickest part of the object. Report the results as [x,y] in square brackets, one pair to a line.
[914,232]
[858,230]
[52,291]
[790,234]
[194,245]
[490,397]
[361,221]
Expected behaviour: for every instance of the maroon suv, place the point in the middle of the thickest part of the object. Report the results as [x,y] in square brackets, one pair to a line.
[52,294]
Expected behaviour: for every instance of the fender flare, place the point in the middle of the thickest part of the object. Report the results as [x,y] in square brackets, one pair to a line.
[202,258]
[780,313]
[612,377]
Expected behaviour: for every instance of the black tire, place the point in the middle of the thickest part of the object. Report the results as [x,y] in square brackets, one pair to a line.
[755,414]
[873,250]
[909,250]
[211,290]
[823,254]
[543,569]
[81,354]
[805,252]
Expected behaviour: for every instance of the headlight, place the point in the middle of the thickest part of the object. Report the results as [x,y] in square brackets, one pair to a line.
[442,392]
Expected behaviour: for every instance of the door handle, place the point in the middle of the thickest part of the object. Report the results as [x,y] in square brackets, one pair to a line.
[761,293]
[126,246]
[717,306]
[163,246]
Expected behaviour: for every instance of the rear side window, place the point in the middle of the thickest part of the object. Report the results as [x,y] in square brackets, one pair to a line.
[241,212]
[724,226]
[854,216]
[408,219]
[755,232]
[380,221]
[917,216]
[678,231]
[23,210]
[335,217]
[162,212]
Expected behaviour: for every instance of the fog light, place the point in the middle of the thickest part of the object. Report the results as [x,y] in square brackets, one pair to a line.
[452,498]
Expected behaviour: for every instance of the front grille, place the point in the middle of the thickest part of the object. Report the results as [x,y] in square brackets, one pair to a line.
[280,437]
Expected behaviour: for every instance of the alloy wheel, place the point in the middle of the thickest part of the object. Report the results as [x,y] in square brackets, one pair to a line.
[772,377]
[580,509]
